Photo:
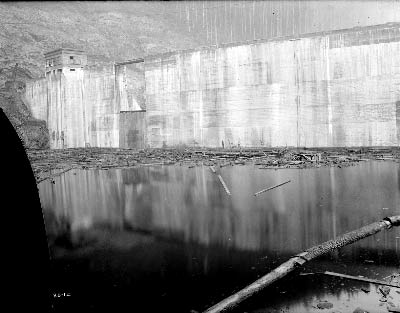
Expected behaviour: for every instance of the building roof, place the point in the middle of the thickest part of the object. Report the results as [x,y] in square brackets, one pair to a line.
[64,50]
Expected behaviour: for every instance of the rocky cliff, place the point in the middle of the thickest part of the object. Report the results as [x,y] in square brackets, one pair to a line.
[32,132]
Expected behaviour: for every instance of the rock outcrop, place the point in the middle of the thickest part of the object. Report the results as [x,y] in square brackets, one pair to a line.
[33,132]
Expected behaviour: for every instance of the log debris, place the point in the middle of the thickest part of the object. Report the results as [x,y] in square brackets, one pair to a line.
[45,161]
[51,176]
[273,187]
[358,278]
[224,185]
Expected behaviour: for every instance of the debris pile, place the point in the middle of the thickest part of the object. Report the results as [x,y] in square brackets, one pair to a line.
[384,291]
[46,163]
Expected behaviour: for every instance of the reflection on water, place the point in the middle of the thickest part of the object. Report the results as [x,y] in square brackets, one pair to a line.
[317,205]
[179,221]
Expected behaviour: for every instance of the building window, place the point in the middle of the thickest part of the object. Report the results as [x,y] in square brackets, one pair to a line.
[155,131]
[72,69]
[71,57]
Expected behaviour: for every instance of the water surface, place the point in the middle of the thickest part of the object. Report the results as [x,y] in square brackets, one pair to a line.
[169,237]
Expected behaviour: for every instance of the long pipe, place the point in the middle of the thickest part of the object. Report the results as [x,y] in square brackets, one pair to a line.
[299,259]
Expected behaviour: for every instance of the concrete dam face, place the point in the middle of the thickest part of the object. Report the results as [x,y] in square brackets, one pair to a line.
[328,89]
[339,88]
[90,107]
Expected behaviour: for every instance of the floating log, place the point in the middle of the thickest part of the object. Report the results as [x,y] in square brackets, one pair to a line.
[264,190]
[150,164]
[54,175]
[363,279]
[299,259]
[224,185]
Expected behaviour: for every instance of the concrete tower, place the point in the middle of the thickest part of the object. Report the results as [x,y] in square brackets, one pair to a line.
[66,110]
[65,59]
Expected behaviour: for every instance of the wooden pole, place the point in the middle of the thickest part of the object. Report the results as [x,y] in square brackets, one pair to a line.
[299,259]
[264,190]
[363,279]
[368,280]
[224,185]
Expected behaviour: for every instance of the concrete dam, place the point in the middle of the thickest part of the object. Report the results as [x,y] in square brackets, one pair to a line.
[329,89]
[88,106]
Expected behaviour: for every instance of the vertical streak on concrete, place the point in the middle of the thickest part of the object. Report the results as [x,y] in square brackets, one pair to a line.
[196,97]
[81,108]
[49,109]
[116,88]
[54,119]
[328,89]
[330,141]
[297,99]
[398,121]
[83,103]
[59,108]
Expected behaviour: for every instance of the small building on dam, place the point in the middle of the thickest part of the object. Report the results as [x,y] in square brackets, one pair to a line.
[329,89]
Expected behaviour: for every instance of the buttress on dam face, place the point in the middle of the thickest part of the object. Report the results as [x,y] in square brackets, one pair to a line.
[330,89]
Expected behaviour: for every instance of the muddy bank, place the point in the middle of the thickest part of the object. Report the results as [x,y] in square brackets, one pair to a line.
[47,163]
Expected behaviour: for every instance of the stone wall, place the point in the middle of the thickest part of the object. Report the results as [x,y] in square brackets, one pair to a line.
[326,89]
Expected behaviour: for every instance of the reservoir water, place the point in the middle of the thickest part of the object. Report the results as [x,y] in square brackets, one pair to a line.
[170,239]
